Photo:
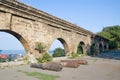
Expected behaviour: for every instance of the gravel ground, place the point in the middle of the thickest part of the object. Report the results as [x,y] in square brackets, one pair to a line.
[97,69]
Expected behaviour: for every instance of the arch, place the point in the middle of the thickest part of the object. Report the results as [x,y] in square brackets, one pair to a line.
[19,37]
[100,47]
[81,47]
[65,45]
[105,46]
[92,49]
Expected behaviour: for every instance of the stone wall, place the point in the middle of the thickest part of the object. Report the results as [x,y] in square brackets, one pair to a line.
[31,26]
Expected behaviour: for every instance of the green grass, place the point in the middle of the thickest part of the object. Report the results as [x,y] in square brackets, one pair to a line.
[40,76]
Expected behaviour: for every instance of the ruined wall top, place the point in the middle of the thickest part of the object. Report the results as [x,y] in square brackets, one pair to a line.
[21,7]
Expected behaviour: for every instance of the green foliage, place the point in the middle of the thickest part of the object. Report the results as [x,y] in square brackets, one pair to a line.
[40,76]
[93,50]
[59,52]
[3,60]
[25,58]
[40,48]
[45,58]
[39,60]
[113,45]
[112,33]
[74,55]
[80,49]
[105,34]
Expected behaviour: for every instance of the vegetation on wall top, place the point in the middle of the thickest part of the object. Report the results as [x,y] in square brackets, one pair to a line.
[112,33]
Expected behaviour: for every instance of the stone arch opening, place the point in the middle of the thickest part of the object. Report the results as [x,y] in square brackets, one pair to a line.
[81,48]
[19,37]
[106,47]
[100,47]
[92,49]
[63,44]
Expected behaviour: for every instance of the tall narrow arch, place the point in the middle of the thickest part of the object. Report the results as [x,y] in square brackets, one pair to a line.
[100,47]
[19,37]
[81,48]
[106,46]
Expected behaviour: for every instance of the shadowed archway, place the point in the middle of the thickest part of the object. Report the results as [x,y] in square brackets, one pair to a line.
[100,47]
[81,48]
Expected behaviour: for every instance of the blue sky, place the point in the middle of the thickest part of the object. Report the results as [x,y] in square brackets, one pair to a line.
[92,15]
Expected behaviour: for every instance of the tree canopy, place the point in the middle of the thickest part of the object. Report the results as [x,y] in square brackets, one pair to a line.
[112,33]
[59,52]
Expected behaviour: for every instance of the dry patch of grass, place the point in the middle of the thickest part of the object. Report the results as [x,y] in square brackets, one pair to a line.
[40,76]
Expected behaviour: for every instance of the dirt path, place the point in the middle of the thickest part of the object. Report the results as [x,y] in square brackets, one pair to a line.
[97,69]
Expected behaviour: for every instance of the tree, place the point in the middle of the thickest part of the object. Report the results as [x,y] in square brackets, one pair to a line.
[59,52]
[112,33]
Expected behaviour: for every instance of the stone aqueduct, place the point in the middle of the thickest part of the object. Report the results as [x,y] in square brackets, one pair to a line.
[31,26]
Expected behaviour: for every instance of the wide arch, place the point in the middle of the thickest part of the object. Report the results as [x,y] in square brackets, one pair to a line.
[19,37]
[64,43]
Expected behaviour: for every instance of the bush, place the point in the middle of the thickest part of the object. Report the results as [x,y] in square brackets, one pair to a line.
[74,55]
[39,60]
[45,58]
[25,59]
[40,48]
[59,52]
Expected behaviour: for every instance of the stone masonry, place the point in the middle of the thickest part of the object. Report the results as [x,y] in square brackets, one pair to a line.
[31,26]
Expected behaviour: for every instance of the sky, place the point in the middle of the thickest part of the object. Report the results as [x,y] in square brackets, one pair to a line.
[92,15]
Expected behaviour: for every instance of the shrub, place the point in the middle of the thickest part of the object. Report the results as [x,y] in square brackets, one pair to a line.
[25,59]
[74,55]
[39,60]
[59,52]
[45,58]
[40,48]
